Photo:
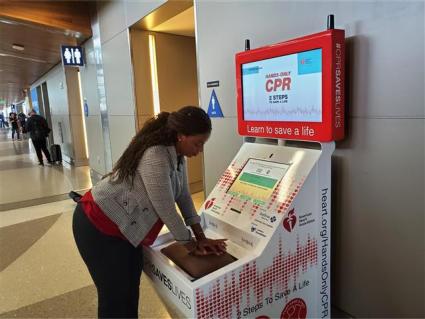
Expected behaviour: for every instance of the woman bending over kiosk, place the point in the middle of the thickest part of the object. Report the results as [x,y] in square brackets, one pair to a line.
[128,207]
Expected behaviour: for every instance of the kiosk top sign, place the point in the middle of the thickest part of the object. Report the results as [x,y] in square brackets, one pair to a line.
[293,89]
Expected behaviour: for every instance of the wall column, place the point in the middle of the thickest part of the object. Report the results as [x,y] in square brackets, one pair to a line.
[76,118]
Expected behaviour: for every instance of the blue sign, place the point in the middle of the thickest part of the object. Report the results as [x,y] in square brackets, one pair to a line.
[72,55]
[86,108]
[214,109]
[34,100]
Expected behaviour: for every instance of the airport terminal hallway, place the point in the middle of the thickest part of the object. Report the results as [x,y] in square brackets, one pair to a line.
[42,274]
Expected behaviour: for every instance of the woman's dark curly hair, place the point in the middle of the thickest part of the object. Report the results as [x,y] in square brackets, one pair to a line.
[159,130]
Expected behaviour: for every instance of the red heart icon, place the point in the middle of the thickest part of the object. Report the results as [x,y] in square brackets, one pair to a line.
[295,309]
[290,220]
[209,203]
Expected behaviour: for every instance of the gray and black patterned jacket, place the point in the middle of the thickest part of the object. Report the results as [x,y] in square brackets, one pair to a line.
[160,182]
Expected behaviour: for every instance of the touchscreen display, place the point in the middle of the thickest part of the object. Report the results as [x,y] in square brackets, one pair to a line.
[257,180]
[285,88]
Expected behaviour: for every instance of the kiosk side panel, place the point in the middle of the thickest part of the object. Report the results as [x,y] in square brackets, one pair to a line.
[323,226]
[284,281]
[169,284]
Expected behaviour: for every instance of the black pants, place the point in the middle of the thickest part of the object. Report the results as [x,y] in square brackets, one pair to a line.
[15,129]
[114,265]
[40,145]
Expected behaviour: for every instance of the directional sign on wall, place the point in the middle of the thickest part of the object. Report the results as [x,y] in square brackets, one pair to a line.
[72,55]
[214,108]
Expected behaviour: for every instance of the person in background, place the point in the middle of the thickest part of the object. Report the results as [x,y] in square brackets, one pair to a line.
[14,123]
[127,209]
[22,118]
[38,128]
[2,124]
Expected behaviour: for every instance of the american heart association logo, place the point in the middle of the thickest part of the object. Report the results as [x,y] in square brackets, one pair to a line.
[290,220]
[296,308]
[209,203]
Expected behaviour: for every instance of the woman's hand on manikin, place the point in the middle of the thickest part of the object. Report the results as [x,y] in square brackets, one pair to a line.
[208,246]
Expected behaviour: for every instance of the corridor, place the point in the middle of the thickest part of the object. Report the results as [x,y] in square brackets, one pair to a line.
[24,183]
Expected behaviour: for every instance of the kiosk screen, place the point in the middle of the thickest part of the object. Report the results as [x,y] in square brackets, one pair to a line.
[286,88]
[257,180]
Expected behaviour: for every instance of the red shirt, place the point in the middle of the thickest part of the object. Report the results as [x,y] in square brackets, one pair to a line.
[105,225]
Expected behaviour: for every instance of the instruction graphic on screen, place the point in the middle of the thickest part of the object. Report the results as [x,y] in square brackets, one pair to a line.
[257,180]
[286,88]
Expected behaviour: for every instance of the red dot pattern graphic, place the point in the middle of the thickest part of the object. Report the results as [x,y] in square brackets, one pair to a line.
[225,181]
[229,175]
[225,295]
[293,191]
[291,188]
[228,204]
[254,210]
[275,196]
[226,178]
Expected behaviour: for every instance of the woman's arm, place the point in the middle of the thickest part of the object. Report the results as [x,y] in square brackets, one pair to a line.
[154,169]
[203,245]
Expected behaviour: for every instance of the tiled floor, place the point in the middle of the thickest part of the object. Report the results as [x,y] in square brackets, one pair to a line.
[24,183]
[42,274]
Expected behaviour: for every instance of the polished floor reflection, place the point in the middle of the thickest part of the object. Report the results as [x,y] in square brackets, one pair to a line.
[24,183]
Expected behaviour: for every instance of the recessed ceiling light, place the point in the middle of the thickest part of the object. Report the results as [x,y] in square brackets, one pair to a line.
[18,47]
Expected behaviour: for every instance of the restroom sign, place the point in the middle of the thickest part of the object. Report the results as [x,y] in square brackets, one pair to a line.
[72,55]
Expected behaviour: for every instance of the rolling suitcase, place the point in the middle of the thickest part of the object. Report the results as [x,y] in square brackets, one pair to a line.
[55,153]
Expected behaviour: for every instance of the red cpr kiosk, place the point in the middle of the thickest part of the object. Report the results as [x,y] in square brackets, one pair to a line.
[273,201]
